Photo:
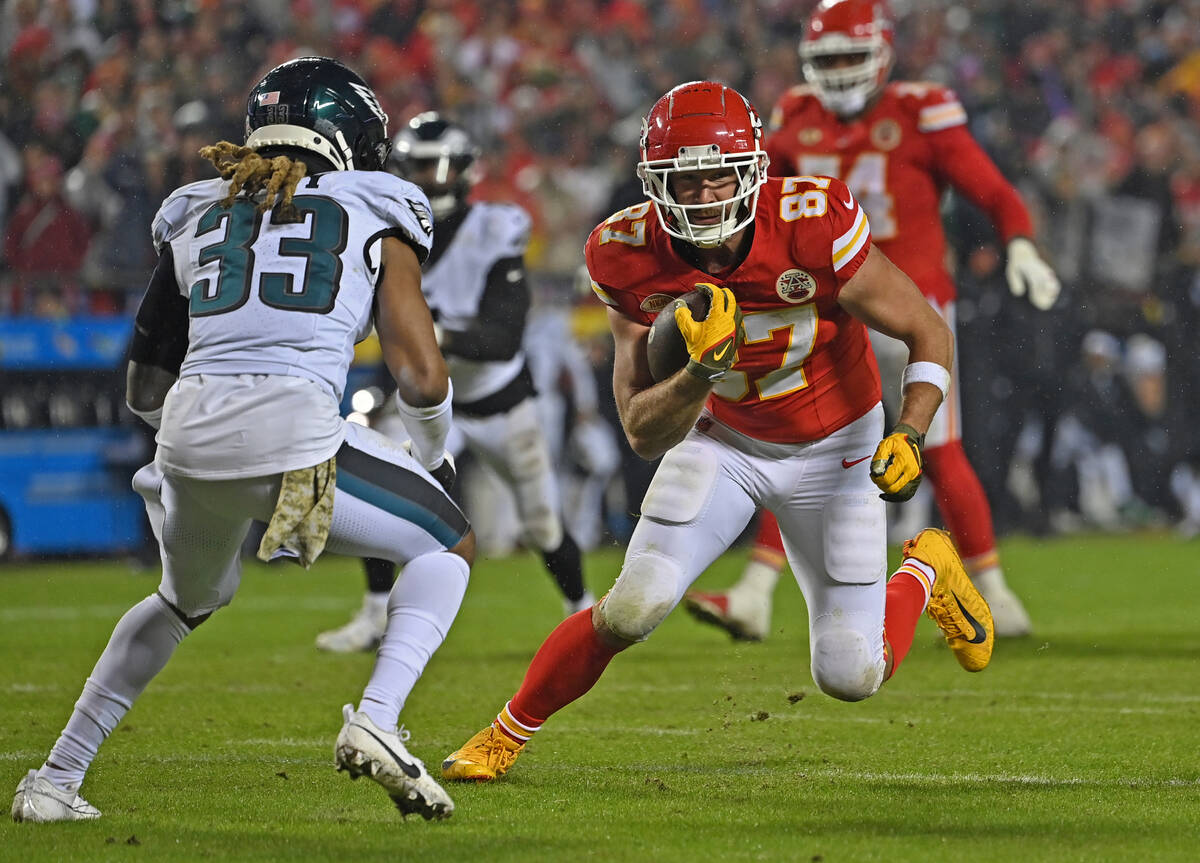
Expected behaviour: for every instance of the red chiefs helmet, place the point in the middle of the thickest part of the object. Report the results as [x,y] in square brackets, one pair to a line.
[847,53]
[700,126]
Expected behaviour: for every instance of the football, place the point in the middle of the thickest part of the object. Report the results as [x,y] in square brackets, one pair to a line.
[666,350]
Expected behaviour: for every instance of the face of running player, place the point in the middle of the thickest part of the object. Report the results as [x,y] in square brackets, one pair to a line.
[713,186]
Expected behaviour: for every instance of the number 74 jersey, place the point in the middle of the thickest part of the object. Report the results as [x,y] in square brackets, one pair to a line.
[805,367]
[268,296]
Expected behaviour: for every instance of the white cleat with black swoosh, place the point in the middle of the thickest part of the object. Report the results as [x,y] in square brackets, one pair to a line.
[364,749]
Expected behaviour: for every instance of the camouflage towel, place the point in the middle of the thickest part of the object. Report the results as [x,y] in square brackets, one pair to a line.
[299,526]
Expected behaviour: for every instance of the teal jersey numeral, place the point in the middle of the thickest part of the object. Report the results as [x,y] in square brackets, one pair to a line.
[240,225]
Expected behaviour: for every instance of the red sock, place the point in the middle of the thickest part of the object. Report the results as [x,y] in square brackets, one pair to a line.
[906,598]
[768,544]
[960,499]
[567,665]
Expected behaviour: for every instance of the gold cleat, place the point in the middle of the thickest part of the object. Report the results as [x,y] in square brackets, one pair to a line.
[955,605]
[482,758]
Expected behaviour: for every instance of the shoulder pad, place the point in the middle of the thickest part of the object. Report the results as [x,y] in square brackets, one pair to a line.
[507,225]
[400,204]
[935,106]
[791,101]
[172,215]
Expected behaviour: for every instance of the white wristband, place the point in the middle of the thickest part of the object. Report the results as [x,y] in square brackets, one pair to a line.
[428,428]
[927,373]
[151,418]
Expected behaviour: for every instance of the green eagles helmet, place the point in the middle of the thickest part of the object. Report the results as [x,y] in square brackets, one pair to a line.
[438,156]
[318,104]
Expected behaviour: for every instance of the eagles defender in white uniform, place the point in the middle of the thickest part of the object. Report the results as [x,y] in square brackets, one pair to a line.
[474,281]
[239,358]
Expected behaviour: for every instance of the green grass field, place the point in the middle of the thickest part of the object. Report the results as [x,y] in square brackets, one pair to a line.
[1081,743]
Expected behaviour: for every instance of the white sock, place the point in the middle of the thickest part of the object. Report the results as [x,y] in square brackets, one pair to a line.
[989,581]
[376,603]
[423,603]
[141,643]
[758,578]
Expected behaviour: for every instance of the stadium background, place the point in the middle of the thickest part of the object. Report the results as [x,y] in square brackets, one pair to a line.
[1080,418]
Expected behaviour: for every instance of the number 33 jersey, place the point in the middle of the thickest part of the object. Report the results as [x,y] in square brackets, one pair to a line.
[274,311]
[805,367]
[286,299]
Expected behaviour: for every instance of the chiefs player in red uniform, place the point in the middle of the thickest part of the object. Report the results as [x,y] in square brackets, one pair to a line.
[777,407]
[897,146]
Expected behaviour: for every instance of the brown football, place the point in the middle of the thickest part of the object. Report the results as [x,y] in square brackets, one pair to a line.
[666,351]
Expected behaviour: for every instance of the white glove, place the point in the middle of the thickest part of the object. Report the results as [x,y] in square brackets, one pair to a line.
[1027,269]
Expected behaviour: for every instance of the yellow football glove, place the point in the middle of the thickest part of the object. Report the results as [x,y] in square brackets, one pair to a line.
[896,466]
[713,342]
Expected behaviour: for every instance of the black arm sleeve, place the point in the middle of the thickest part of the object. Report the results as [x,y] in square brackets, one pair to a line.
[160,330]
[497,330]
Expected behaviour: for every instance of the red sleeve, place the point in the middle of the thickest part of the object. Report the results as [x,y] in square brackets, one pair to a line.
[603,261]
[967,167]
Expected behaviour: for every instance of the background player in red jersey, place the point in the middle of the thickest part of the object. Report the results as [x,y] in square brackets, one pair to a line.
[897,146]
[777,407]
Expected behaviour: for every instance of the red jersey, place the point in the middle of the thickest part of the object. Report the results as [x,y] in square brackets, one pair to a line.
[805,368]
[898,157]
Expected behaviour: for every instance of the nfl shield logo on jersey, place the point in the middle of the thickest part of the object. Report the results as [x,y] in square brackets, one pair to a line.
[795,286]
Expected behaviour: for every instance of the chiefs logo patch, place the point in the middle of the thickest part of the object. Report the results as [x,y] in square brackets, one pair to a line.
[809,136]
[885,135]
[796,286]
[655,303]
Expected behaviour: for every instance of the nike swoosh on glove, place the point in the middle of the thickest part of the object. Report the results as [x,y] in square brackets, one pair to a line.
[713,342]
[1026,271]
[897,464]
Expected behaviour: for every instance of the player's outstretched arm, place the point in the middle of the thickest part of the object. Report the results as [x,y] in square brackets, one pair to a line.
[974,175]
[405,328]
[885,299]
[410,351]
[655,416]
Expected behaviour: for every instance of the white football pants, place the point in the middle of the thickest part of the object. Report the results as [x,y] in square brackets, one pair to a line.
[831,519]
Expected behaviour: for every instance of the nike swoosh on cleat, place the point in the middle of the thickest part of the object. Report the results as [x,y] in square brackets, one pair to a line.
[410,770]
[846,463]
[980,632]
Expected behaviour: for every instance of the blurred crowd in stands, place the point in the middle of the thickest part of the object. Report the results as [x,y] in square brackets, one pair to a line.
[1085,416]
